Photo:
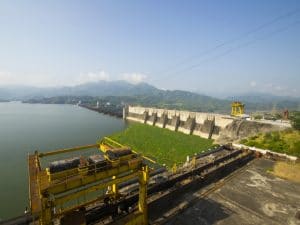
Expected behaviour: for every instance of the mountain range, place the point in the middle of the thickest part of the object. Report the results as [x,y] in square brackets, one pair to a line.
[101,88]
[148,95]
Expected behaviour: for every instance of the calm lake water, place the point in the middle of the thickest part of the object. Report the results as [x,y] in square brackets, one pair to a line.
[28,127]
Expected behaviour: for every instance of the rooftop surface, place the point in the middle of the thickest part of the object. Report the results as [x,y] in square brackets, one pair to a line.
[251,196]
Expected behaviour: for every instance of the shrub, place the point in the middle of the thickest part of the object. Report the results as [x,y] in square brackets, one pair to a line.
[295,119]
[275,137]
[267,136]
[287,141]
[244,141]
[258,117]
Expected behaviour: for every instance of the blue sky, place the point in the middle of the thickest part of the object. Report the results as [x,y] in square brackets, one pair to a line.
[170,44]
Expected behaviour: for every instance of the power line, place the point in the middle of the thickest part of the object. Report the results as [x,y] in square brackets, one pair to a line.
[282,29]
[254,30]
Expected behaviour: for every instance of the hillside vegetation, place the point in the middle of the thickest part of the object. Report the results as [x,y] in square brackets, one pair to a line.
[167,99]
[287,141]
[295,120]
[180,100]
[122,92]
[165,146]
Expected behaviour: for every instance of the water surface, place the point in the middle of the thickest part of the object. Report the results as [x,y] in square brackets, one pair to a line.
[28,127]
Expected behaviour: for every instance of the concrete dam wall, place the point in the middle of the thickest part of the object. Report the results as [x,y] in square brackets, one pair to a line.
[206,125]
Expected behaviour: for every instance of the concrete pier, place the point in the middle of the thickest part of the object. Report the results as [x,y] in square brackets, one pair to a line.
[162,120]
[188,126]
[152,119]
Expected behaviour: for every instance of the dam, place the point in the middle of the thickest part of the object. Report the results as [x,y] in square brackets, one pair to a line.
[206,125]
[224,128]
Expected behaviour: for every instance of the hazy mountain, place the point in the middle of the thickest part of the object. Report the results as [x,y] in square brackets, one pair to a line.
[265,101]
[101,88]
[147,95]
[197,102]
[184,100]
[258,97]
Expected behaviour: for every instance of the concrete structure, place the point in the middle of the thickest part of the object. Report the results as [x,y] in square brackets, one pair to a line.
[267,152]
[248,196]
[223,128]
[207,125]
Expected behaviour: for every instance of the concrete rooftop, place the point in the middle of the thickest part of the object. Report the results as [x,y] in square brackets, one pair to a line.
[251,196]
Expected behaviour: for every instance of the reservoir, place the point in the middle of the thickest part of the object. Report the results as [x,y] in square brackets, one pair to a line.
[25,128]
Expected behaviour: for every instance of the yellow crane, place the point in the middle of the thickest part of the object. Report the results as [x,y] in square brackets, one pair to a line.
[237,108]
[53,191]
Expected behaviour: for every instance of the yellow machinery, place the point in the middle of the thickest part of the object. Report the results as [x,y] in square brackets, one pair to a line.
[52,194]
[237,109]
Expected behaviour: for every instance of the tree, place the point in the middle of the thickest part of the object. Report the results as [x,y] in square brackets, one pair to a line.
[295,119]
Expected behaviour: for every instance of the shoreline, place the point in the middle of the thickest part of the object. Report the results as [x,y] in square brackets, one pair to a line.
[105,111]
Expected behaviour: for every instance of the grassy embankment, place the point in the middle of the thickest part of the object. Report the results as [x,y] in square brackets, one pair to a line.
[287,141]
[165,146]
[285,170]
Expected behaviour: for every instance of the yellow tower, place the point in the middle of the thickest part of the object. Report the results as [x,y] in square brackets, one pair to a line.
[237,109]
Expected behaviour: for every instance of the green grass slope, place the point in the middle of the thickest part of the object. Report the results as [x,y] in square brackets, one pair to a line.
[165,146]
[287,141]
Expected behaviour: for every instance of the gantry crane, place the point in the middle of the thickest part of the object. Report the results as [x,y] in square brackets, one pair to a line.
[237,109]
[53,190]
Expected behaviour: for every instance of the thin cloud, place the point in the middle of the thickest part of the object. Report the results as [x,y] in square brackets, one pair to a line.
[253,84]
[134,78]
[92,77]
[43,80]
[8,78]
[280,90]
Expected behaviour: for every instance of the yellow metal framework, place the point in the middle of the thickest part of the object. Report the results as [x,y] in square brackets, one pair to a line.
[108,143]
[51,193]
[237,109]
